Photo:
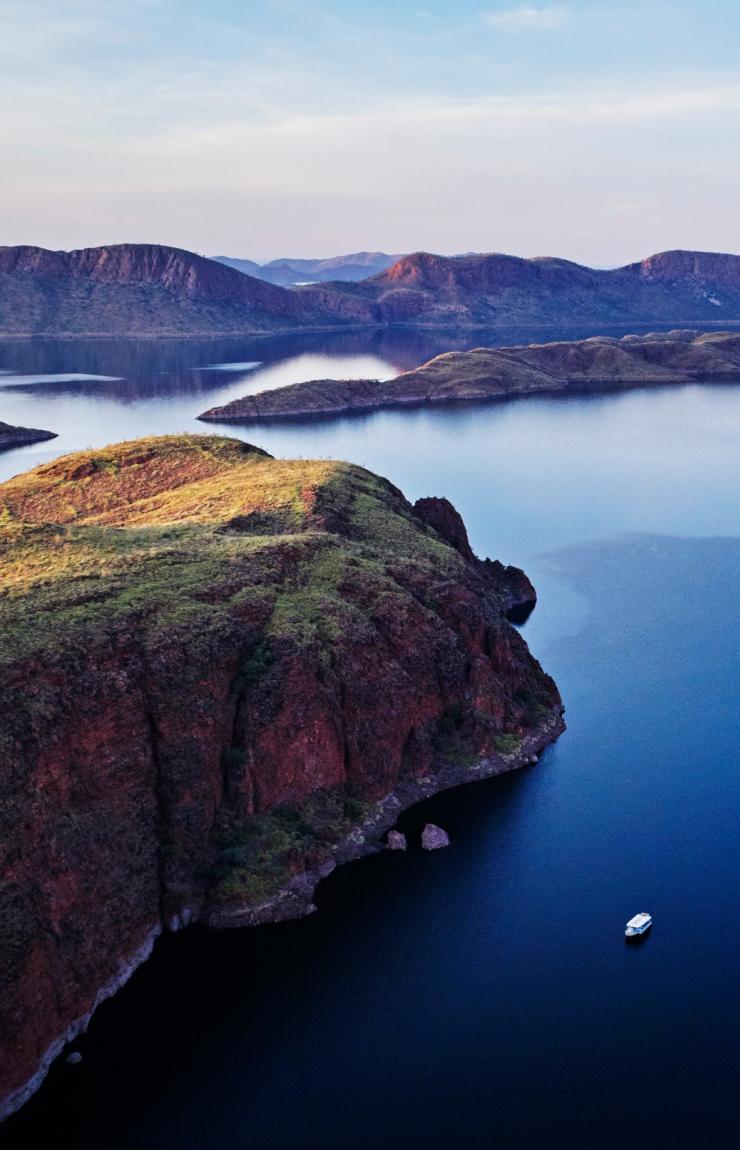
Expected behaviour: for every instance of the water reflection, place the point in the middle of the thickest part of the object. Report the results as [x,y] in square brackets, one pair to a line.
[96,392]
[156,364]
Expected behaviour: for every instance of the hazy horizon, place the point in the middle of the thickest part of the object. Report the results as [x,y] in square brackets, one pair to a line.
[287,256]
[596,132]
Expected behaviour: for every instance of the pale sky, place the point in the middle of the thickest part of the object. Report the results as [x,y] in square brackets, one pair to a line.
[600,131]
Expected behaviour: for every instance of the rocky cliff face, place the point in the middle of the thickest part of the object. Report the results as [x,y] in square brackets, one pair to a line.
[706,269]
[138,289]
[655,360]
[220,673]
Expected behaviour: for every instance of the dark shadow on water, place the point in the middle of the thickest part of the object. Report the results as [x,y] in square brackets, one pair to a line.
[637,940]
[213,1015]
[438,997]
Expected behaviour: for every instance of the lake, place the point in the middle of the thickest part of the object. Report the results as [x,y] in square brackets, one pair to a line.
[481,996]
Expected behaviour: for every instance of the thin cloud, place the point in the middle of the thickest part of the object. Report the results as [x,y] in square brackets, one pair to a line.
[526,17]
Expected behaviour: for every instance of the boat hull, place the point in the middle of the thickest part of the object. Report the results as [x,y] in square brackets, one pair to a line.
[633,932]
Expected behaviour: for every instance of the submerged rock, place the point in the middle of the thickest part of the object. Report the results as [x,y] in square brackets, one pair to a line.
[74,1058]
[396,841]
[433,837]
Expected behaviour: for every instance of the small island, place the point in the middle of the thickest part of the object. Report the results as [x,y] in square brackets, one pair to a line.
[20,436]
[495,373]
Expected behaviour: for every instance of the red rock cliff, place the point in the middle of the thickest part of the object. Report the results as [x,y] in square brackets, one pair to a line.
[139,288]
[214,665]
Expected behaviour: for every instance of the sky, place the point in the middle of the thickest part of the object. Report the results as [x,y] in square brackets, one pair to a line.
[600,132]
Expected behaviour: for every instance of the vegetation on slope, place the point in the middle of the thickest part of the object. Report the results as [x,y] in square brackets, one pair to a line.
[187,540]
[216,667]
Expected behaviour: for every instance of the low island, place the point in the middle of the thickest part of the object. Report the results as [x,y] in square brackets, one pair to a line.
[599,363]
[20,436]
[221,675]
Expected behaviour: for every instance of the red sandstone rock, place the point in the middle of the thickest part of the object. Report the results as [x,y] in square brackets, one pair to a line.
[131,746]
[433,838]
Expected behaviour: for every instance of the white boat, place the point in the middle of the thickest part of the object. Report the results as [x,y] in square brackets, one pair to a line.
[639,924]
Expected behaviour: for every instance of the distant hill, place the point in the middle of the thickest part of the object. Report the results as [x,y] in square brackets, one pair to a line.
[679,287]
[248,267]
[141,289]
[289,272]
[147,289]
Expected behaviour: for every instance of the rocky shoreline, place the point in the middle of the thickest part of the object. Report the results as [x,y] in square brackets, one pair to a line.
[15,1101]
[295,900]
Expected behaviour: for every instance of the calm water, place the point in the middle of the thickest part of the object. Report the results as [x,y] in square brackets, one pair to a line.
[481,996]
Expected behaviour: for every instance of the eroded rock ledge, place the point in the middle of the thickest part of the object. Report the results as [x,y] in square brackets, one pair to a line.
[221,675]
[599,363]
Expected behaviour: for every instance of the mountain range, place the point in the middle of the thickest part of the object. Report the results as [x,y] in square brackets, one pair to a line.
[147,289]
[678,287]
[290,272]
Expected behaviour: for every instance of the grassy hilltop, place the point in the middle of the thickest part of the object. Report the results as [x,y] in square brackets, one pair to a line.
[190,527]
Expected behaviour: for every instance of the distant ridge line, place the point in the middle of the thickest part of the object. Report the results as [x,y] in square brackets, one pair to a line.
[152,289]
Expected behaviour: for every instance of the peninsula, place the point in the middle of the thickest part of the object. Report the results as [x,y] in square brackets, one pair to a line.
[221,675]
[599,363]
[20,436]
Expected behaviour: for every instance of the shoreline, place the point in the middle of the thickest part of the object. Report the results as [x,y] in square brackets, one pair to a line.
[15,1101]
[295,899]
[397,325]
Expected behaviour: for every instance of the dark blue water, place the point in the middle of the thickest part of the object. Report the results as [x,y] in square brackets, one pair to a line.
[481,996]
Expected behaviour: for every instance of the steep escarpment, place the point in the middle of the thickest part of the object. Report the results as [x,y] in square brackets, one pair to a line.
[11,436]
[139,289]
[494,290]
[222,673]
[655,360]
